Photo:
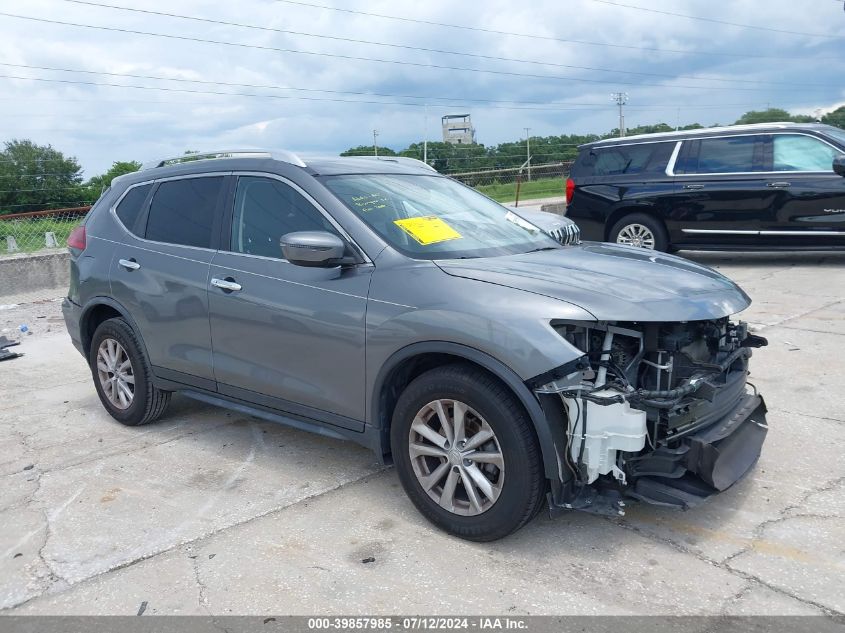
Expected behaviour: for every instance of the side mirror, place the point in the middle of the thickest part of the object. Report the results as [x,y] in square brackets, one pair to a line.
[839,165]
[313,248]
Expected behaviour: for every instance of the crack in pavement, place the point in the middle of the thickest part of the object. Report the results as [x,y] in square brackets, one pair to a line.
[763,326]
[783,515]
[757,535]
[197,539]
[808,415]
[731,570]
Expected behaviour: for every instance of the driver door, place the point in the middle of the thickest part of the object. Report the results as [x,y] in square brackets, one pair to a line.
[284,336]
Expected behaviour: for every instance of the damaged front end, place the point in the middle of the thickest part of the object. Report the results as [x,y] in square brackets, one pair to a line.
[659,412]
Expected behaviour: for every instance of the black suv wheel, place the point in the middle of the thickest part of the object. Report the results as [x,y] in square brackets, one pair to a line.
[123,376]
[466,453]
[640,229]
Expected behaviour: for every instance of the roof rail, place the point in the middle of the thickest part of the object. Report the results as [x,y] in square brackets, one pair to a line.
[401,159]
[282,155]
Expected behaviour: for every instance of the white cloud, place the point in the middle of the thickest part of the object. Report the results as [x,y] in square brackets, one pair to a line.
[101,124]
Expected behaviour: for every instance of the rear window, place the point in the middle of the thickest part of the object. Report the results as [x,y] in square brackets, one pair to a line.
[130,207]
[182,211]
[624,160]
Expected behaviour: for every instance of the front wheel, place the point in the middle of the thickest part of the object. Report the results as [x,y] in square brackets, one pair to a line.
[466,453]
[639,229]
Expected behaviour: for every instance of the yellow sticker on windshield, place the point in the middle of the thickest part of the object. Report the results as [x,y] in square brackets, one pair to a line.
[428,230]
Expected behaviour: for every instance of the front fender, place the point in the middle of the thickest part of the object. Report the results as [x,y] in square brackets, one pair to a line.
[549,431]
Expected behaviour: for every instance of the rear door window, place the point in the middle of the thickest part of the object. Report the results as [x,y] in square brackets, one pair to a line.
[129,209]
[184,211]
[725,155]
[797,152]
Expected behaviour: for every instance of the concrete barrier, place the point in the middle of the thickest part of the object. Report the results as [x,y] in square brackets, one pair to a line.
[26,272]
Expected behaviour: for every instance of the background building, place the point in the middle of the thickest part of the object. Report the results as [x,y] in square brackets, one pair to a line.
[457,128]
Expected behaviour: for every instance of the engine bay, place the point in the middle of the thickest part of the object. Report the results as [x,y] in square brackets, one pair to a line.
[641,395]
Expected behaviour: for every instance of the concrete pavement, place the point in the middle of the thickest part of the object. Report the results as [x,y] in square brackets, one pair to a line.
[212,512]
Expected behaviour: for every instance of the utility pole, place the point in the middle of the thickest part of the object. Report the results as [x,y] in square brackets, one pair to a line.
[375,142]
[528,150]
[621,98]
[425,136]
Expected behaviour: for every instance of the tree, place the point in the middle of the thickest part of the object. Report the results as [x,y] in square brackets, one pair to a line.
[368,150]
[837,117]
[98,184]
[37,177]
[772,115]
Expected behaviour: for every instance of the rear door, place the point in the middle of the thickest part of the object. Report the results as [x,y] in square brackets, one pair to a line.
[160,273]
[720,189]
[809,203]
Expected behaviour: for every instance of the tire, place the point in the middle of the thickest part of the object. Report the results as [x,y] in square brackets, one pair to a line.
[638,226]
[117,340]
[518,487]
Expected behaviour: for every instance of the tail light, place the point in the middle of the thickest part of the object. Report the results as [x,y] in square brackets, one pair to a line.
[570,190]
[76,239]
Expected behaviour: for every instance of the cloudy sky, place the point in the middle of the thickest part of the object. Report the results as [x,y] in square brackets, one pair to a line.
[318,76]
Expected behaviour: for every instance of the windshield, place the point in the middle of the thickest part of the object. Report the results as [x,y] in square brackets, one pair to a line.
[431,217]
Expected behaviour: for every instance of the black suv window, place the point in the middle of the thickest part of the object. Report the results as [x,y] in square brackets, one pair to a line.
[130,207]
[725,155]
[265,210]
[182,211]
[797,152]
[624,159]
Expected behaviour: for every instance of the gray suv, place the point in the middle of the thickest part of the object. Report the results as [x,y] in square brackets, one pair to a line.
[380,302]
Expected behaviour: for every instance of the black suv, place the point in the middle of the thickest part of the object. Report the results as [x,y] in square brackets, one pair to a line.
[768,186]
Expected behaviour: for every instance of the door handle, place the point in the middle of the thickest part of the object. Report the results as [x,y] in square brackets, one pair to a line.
[129,264]
[779,184]
[693,186]
[226,285]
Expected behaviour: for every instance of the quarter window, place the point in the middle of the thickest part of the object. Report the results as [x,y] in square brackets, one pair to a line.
[183,211]
[130,207]
[726,155]
[265,210]
[795,152]
[630,159]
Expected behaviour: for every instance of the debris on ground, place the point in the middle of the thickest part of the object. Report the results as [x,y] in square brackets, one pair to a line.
[369,559]
[6,354]
[142,608]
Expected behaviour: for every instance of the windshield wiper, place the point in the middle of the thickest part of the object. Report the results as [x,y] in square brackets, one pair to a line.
[543,248]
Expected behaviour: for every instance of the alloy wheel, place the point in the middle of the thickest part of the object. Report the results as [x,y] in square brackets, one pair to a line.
[636,235]
[456,457]
[117,377]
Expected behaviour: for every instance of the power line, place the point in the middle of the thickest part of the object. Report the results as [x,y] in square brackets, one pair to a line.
[716,21]
[562,106]
[371,59]
[428,50]
[535,36]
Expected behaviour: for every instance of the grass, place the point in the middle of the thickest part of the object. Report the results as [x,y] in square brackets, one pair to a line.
[29,234]
[528,190]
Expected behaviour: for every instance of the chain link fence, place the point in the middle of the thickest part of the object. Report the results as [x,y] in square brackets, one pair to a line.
[38,230]
[519,185]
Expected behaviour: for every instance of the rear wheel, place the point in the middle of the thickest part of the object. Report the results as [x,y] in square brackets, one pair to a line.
[642,230]
[123,376]
[466,453]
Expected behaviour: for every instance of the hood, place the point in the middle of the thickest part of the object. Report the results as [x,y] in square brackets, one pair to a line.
[613,283]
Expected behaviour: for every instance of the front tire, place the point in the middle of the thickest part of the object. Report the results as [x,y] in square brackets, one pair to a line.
[466,453]
[123,376]
[640,229]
